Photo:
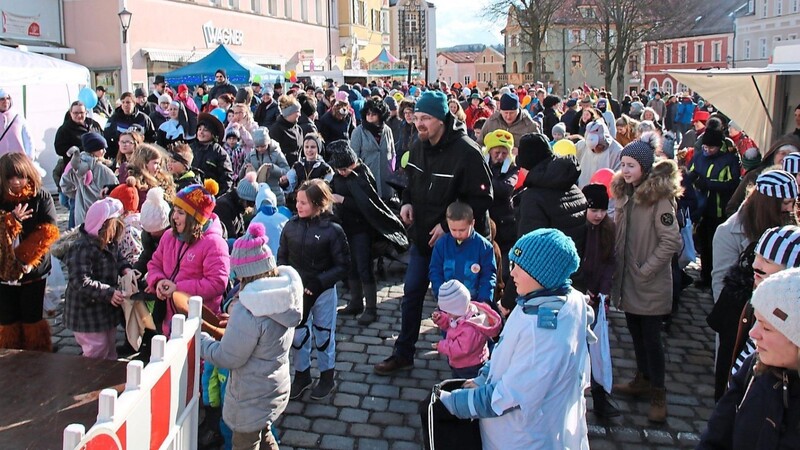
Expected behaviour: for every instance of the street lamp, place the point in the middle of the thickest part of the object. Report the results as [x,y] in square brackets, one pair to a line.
[125,17]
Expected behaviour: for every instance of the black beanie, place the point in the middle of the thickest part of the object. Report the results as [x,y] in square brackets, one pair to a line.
[307,107]
[713,136]
[533,149]
[223,72]
[596,196]
[340,155]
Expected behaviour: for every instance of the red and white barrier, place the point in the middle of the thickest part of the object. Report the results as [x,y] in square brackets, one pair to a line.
[159,407]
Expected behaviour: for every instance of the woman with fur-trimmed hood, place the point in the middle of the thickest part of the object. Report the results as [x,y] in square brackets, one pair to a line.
[27,230]
[647,238]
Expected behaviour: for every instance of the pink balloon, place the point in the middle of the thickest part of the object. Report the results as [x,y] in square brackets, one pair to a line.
[603,176]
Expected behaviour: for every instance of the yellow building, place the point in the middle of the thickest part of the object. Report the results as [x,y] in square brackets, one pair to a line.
[363,31]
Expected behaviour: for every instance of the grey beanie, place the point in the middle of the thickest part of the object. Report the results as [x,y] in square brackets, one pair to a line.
[260,136]
[641,150]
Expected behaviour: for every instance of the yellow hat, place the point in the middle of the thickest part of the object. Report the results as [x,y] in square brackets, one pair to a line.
[564,147]
[398,97]
[499,138]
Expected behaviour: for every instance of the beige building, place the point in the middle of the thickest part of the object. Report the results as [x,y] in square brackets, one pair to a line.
[413,34]
[455,67]
[488,64]
[761,25]
[363,31]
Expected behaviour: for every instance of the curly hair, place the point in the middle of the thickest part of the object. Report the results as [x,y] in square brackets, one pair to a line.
[376,106]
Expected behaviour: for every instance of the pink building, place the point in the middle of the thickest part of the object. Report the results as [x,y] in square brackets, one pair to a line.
[168,34]
[456,67]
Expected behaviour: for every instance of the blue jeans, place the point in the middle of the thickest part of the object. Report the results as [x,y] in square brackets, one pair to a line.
[322,320]
[416,286]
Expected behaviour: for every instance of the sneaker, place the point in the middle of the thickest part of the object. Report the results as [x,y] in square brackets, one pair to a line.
[393,364]
[302,382]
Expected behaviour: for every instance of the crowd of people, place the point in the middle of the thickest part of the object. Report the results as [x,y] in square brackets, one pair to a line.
[525,213]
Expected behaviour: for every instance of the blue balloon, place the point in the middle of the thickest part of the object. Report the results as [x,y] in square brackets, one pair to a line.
[88,97]
[220,114]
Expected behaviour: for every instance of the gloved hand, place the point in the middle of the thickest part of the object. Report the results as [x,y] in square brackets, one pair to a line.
[447,401]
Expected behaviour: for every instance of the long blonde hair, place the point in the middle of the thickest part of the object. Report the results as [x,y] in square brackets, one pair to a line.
[137,167]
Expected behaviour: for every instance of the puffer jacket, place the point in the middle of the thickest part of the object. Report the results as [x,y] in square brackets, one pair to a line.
[214,162]
[647,238]
[272,177]
[523,125]
[333,129]
[256,349]
[552,199]
[684,111]
[465,343]
[203,270]
[440,174]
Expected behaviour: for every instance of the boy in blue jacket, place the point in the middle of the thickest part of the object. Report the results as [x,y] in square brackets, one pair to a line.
[464,255]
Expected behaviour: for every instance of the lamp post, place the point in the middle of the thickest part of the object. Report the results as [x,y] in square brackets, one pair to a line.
[125,17]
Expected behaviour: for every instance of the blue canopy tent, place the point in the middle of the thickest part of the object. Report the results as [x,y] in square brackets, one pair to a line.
[239,70]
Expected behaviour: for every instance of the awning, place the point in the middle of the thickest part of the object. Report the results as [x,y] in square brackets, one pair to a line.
[746,95]
[190,56]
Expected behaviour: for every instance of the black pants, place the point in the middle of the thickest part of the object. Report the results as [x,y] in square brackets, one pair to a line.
[22,303]
[361,257]
[705,237]
[646,334]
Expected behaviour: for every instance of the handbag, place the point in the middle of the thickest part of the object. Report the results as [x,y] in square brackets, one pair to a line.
[441,430]
[736,291]
[137,317]
[600,351]
[688,252]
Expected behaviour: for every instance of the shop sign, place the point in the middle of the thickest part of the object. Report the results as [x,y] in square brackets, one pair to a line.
[18,25]
[227,36]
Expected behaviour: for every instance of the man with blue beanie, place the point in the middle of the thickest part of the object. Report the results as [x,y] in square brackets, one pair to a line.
[444,166]
[530,394]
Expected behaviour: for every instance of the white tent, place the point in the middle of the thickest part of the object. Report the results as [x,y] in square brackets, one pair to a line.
[42,89]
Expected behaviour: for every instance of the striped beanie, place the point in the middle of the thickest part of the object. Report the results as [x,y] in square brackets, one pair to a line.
[198,201]
[791,163]
[777,299]
[777,184]
[251,256]
[781,245]
[454,298]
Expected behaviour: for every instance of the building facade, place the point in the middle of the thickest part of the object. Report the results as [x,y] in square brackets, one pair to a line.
[455,67]
[298,35]
[488,64]
[761,25]
[363,31]
[36,25]
[413,34]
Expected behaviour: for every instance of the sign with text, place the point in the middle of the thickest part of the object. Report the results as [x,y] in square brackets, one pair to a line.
[30,20]
[227,36]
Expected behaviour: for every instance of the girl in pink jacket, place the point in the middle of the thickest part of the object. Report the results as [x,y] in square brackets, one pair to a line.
[469,326]
[193,258]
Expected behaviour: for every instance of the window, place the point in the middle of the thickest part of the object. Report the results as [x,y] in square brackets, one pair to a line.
[304,10]
[762,48]
[385,21]
[698,53]
[576,60]
[667,85]
[272,7]
[232,4]
[653,55]
[255,6]
[716,51]
[792,36]
[484,59]
[795,6]
[746,49]
[778,7]
[764,7]
[571,36]
[633,63]
[318,10]
[466,79]
[682,54]
[653,85]
[360,13]
[667,54]
[287,8]
[583,35]
[683,88]
[599,36]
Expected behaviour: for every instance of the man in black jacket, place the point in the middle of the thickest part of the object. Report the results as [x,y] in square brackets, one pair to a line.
[444,166]
[221,85]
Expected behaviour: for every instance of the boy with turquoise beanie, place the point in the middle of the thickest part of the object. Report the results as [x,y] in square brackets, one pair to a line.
[541,361]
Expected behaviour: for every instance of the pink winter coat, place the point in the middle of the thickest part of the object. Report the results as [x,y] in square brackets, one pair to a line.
[203,270]
[465,345]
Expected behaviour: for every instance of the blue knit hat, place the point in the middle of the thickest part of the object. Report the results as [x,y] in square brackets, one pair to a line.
[433,103]
[93,141]
[547,255]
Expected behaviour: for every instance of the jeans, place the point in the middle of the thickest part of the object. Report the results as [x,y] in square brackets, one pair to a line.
[416,286]
[466,372]
[322,319]
[646,334]
[68,203]
[361,257]
[100,345]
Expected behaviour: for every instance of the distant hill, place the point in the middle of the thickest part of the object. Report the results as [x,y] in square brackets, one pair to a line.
[469,48]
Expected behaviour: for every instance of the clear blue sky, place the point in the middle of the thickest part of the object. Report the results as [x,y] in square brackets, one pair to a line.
[462,22]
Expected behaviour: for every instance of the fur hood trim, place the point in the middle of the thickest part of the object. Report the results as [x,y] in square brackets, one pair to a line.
[664,181]
[275,296]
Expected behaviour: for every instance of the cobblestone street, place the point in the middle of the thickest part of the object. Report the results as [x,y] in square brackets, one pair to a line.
[368,411]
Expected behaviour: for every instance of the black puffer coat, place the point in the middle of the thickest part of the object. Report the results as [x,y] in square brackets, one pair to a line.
[504,178]
[214,162]
[289,136]
[552,199]
[69,134]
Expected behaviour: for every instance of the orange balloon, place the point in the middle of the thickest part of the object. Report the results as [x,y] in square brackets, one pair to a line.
[604,177]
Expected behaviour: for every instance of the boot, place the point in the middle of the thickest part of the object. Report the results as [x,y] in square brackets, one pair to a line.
[302,381]
[637,387]
[36,336]
[371,312]
[11,336]
[324,386]
[356,304]
[658,405]
[208,433]
[146,347]
[604,405]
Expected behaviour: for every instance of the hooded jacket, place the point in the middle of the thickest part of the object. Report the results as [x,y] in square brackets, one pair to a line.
[523,125]
[440,174]
[83,179]
[552,199]
[465,344]
[202,270]
[256,349]
[271,176]
[647,238]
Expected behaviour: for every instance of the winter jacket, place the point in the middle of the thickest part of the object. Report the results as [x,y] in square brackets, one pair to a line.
[230,212]
[304,170]
[92,279]
[464,344]
[333,129]
[596,273]
[715,177]
[658,106]
[549,120]
[569,120]
[471,262]
[289,137]
[119,122]
[407,139]
[523,125]
[590,161]
[149,245]
[170,131]
[273,222]
[749,179]
[221,88]
[267,113]
[202,270]
[214,162]
[684,111]
[83,180]
[504,178]
[271,176]
[551,199]
[440,174]
[376,155]
[395,124]
[34,235]
[69,134]
[256,349]
[647,238]
[530,394]
[757,412]
[187,179]
[474,113]
[306,125]
[729,242]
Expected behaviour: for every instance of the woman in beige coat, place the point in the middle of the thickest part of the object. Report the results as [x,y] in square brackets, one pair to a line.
[647,239]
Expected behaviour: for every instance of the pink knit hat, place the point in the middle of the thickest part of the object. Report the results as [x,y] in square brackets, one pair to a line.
[251,256]
[99,212]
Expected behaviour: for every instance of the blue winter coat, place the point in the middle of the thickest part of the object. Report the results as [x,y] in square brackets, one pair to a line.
[684,112]
[471,262]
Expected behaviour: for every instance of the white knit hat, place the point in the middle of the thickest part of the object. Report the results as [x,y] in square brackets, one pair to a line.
[155,211]
[454,298]
[777,299]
